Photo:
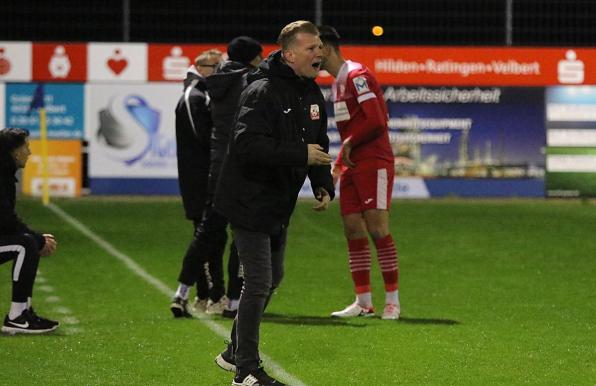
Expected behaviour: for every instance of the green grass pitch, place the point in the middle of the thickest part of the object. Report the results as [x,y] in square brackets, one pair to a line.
[492,293]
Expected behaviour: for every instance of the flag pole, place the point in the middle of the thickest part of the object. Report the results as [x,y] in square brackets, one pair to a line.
[43,132]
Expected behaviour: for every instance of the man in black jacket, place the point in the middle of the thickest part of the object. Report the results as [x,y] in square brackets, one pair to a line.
[225,86]
[193,131]
[279,138]
[18,242]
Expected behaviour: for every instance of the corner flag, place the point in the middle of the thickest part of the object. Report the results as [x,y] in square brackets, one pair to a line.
[38,103]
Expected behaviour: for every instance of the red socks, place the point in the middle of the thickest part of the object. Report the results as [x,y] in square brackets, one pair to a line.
[388,262]
[360,264]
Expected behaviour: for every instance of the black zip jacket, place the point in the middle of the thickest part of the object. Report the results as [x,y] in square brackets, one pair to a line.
[10,223]
[279,113]
[225,86]
[193,129]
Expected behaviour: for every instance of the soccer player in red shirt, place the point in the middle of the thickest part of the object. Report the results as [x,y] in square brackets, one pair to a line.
[366,167]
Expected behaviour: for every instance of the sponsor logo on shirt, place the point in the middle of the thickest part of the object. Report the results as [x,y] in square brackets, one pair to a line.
[314,112]
[361,85]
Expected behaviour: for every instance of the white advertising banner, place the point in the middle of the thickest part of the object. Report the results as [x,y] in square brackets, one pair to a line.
[15,61]
[109,62]
[131,130]
[2,105]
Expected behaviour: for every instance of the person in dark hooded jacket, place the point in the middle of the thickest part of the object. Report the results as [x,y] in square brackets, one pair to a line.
[193,131]
[18,242]
[279,138]
[225,86]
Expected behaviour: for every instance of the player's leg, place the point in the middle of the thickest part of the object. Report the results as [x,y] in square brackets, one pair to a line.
[212,243]
[376,216]
[192,271]
[23,250]
[235,281]
[358,250]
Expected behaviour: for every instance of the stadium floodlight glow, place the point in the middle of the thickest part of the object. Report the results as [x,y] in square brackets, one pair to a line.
[377,30]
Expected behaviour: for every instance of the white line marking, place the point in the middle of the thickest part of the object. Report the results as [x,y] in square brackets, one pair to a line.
[53,299]
[39,279]
[62,310]
[45,288]
[70,320]
[163,288]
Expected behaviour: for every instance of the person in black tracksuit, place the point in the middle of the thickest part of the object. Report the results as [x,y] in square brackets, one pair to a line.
[18,242]
[225,86]
[193,131]
[279,138]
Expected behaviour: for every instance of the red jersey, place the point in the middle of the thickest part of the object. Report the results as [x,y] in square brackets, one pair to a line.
[361,114]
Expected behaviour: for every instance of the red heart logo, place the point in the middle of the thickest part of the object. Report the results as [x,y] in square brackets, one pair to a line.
[117,65]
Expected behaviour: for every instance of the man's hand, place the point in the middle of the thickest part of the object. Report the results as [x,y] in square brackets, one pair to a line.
[323,196]
[336,173]
[345,155]
[316,155]
[50,245]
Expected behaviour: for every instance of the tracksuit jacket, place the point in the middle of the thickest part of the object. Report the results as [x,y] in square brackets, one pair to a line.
[279,113]
[193,129]
[10,223]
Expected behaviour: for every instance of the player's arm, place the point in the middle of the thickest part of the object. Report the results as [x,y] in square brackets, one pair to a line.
[363,87]
[201,117]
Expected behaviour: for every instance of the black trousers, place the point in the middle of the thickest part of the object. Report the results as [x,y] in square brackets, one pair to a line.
[24,252]
[262,258]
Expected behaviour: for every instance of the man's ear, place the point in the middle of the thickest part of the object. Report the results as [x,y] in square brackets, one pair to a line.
[288,55]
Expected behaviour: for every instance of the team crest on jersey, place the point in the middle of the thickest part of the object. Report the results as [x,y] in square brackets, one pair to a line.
[361,84]
[314,112]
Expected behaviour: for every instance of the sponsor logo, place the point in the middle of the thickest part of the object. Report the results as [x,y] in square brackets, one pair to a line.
[129,131]
[117,62]
[314,112]
[570,70]
[19,325]
[368,201]
[287,111]
[59,65]
[361,85]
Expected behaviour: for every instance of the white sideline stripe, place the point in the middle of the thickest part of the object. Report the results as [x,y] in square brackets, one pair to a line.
[163,288]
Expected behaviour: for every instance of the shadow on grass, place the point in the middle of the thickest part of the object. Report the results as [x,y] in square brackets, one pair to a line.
[328,321]
[448,322]
[307,320]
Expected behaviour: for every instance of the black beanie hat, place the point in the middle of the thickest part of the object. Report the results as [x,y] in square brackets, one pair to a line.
[244,49]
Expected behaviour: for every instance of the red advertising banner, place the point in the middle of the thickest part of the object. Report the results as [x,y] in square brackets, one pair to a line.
[169,62]
[393,65]
[59,62]
[467,66]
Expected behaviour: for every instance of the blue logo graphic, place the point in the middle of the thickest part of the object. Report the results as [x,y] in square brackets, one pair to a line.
[128,128]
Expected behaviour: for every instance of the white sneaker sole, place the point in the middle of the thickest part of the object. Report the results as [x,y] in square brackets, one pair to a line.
[224,364]
[14,330]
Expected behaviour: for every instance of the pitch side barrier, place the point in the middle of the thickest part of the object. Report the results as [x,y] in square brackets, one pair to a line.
[464,121]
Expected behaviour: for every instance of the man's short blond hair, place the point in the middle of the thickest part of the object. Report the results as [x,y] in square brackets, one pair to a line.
[289,32]
[206,56]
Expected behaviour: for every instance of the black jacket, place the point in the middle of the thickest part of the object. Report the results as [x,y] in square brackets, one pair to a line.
[266,165]
[10,223]
[225,86]
[193,129]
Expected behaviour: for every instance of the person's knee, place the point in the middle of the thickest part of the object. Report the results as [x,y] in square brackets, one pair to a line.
[32,248]
[258,287]
[378,232]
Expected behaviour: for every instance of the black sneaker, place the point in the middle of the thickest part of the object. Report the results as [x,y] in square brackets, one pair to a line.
[42,319]
[27,323]
[256,377]
[226,359]
[179,308]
